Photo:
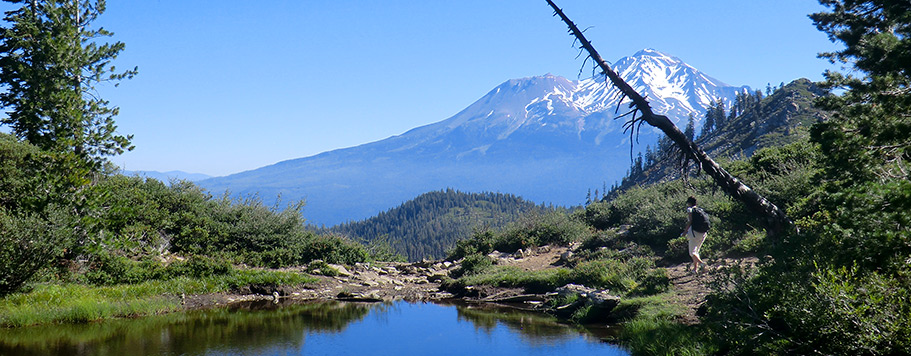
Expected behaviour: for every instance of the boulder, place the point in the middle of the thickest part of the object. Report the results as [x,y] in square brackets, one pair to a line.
[600,300]
[342,271]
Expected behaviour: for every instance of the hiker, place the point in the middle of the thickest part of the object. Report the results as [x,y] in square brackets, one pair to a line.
[696,220]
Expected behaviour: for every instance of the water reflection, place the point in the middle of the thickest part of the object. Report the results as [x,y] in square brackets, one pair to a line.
[532,327]
[310,328]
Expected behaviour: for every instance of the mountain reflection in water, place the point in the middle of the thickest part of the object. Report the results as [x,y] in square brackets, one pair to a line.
[323,328]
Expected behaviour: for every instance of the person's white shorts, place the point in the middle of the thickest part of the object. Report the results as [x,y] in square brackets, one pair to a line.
[695,240]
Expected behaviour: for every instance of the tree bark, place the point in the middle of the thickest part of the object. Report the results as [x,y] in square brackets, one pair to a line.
[774,218]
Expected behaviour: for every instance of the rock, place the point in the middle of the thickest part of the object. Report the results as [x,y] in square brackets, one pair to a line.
[342,271]
[575,246]
[565,256]
[383,280]
[447,264]
[573,289]
[500,257]
[602,300]
[521,253]
[623,230]
[424,263]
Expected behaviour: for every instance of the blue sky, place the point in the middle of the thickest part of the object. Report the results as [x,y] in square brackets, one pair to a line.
[243,84]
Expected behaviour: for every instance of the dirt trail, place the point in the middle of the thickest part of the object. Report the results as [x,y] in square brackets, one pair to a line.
[691,288]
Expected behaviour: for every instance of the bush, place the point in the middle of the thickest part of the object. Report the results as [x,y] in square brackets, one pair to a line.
[600,215]
[532,230]
[322,268]
[199,267]
[633,275]
[678,249]
[332,249]
[607,238]
[481,242]
[803,309]
[472,264]
[28,243]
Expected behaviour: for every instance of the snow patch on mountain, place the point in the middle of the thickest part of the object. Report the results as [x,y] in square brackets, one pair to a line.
[552,103]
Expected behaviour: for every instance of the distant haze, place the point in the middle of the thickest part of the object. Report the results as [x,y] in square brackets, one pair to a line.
[168,176]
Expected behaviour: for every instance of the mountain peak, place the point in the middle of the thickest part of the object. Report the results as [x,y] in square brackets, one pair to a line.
[649,52]
[544,137]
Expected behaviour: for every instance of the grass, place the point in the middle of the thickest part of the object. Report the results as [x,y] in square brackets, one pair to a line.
[650,326]
[511,276]
[634,276]
[77,303]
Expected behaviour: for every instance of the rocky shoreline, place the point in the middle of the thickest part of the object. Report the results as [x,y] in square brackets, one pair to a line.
[417,282]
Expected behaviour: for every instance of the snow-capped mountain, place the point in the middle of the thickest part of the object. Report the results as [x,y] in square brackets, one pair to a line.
[550,104]
[545,138]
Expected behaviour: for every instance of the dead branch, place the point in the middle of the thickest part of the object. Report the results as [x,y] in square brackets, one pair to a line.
[774,218]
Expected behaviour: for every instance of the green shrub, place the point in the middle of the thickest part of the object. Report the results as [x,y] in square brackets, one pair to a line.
[532,230]
[332,249]
[321,268]
[473,264]
[677,249]
[200,266]
[608,239]
[481,242]
[635,275]
[28,243]
[803,308]
[557,228]
[600,215]
[751,243]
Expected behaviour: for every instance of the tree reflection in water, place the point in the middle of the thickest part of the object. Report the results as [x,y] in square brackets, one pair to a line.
[254,328]
[264,328]
[532,327]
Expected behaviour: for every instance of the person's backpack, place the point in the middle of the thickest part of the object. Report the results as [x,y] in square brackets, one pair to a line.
[700,220]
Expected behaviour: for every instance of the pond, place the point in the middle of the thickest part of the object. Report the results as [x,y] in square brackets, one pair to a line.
[324,328]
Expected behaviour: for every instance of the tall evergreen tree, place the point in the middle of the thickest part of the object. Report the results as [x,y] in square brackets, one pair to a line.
[868,138]
[708,124]
[51,62]
[690,130]
[719,115]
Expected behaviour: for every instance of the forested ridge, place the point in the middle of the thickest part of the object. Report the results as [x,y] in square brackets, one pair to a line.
[430,224]
[755,120]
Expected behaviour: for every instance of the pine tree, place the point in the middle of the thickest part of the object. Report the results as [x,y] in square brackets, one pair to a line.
[708,124]
[690,130]
[718,112]
[50,64]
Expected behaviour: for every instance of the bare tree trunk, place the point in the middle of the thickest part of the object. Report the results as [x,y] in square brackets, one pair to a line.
[774,218]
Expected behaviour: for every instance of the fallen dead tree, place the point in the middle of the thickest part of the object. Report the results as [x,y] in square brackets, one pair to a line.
[774,218]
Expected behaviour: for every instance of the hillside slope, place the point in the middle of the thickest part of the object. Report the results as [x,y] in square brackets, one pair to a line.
[776,120]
